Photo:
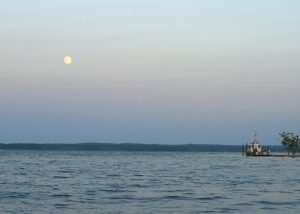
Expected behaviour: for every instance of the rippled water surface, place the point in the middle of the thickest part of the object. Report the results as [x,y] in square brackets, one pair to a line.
[146,182]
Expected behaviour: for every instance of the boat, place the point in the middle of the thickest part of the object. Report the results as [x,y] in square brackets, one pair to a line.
[254,148]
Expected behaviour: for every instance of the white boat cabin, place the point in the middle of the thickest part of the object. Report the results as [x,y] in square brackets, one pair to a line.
[255,146]
[255,149]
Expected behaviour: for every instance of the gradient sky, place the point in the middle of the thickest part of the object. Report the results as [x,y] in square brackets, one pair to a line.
[149,71]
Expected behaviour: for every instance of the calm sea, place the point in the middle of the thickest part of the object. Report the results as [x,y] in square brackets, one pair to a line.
[147,182]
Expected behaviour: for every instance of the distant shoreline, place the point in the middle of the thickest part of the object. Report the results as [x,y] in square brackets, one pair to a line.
[129,147]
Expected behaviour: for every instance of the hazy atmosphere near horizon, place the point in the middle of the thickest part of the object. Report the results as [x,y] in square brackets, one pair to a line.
[159,71]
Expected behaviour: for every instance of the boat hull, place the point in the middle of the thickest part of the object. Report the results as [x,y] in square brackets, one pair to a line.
[257,153]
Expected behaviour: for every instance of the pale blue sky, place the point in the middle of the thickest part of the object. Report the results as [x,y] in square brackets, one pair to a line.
[164,71]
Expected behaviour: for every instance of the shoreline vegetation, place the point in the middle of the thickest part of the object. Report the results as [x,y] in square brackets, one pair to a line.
[136,147]
[291,142]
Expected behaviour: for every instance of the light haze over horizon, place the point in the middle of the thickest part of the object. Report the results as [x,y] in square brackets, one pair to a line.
[168,72]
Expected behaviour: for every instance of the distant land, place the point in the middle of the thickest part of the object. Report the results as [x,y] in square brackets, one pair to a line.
[131,147]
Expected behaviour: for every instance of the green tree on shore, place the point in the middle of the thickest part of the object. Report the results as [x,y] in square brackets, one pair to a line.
[290,141]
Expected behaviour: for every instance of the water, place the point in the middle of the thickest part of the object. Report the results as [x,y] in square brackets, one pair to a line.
[147,182]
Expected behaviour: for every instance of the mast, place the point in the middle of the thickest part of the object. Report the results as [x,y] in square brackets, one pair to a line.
[255,137]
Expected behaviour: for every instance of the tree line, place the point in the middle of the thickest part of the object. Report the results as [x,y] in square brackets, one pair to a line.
[123,147]
[290,141]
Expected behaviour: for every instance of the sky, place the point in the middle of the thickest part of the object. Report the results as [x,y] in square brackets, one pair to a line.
[149,71]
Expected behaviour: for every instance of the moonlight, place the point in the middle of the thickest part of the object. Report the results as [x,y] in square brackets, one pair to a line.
[67,60]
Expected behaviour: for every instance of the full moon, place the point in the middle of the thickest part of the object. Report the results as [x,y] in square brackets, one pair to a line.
[67,60]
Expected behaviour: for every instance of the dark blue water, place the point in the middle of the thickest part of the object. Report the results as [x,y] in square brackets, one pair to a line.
[138,182]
